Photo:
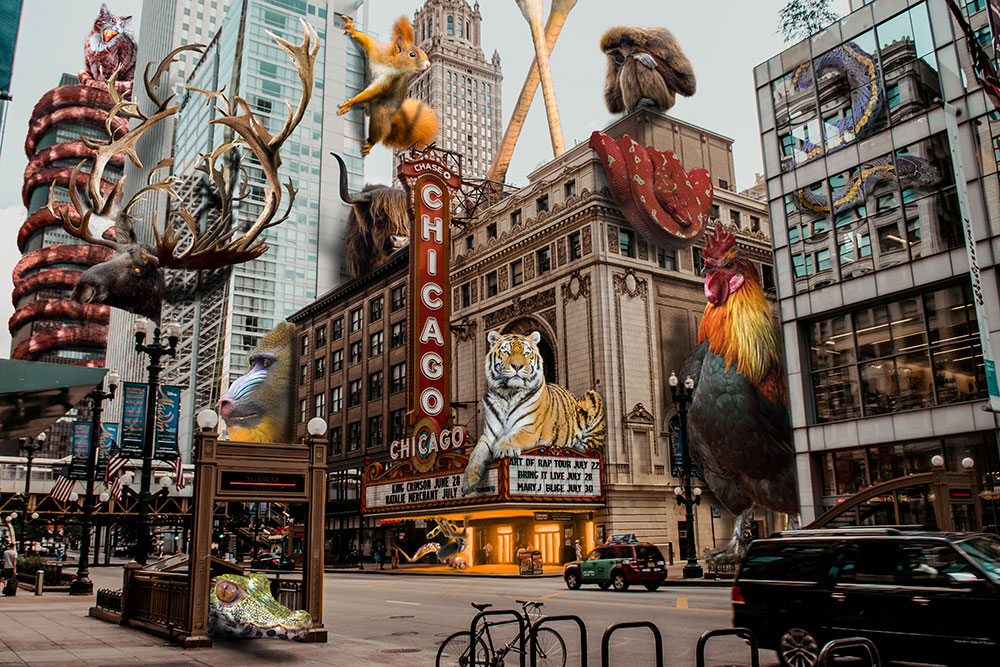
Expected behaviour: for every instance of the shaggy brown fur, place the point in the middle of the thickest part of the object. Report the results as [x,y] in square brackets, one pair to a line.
[379,224]
[665,72]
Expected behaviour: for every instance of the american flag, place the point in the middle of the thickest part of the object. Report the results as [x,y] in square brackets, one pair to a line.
[115,487]
[63,488]
[179,473]
[985,69]
[115,465]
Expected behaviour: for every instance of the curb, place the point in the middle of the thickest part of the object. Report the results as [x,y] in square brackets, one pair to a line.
[706,583]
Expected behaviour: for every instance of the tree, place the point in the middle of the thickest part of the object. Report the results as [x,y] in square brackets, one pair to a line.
[803,18]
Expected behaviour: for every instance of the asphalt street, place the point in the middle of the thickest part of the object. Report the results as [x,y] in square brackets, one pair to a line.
[408,616]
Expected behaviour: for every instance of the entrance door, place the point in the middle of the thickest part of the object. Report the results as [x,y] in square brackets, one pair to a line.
[505,546]
[547,541]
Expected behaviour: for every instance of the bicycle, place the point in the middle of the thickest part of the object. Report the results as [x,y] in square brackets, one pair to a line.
[456,650]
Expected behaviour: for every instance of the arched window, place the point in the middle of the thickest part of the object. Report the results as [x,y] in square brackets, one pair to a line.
[460,28]
[430,27]
[468,33]
[525,326]
[451,25]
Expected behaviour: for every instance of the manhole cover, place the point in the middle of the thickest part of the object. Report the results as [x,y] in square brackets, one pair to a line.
[400,634]
[396,617]
[400,650]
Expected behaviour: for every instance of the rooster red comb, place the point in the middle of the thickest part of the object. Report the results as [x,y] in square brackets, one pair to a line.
[719,247]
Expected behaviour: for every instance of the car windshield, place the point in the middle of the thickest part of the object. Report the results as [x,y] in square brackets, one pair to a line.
[984,552]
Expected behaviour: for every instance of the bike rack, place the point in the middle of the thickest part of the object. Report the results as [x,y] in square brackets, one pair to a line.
[826,655]
[606,639]
[522,625]
[533,642]
[737,632]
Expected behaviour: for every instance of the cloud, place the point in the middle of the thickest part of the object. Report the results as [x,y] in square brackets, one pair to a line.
[11,218]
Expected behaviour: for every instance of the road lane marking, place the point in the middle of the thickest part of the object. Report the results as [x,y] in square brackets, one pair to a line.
[682,602]
[552,595]
[401,602]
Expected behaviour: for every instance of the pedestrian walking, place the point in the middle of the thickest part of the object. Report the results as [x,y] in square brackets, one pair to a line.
[378,557]
[10,570]
[578,549]
[395,558]
[487,552]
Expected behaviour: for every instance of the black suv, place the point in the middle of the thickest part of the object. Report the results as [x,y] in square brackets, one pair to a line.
[918,595]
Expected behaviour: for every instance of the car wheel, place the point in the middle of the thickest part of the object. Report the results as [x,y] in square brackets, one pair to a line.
[618,581]
[651,585]
[572,581]
[798,648]
[604,585]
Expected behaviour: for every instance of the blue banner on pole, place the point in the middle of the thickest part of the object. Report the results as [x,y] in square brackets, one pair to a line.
[168,417]
[80,448]
[133,418]
[109,442]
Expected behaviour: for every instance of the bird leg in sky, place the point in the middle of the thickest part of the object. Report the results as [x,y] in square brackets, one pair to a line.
[737,546]
[553,26]
[532,11]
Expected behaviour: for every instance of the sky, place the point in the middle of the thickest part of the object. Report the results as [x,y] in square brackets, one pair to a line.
[724,41]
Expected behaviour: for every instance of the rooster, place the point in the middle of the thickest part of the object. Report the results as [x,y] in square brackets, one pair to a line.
[738,423]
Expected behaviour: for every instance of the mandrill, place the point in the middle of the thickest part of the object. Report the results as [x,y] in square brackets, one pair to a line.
[646,67]
[258,406]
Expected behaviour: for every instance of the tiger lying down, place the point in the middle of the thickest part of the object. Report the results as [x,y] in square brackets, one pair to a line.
[523,412]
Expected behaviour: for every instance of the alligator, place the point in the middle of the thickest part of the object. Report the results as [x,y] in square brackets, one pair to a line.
[242,607]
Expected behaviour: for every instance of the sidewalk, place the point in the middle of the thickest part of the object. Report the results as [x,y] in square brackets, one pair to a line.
[54,631]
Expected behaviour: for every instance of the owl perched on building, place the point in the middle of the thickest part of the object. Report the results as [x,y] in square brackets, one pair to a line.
[646,67]
[108,46]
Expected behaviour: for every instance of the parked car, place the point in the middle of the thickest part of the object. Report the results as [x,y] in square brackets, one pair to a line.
[270,560]
[918,595]
[618,566]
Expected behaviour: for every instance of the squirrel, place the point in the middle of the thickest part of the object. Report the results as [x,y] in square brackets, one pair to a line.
[394,119]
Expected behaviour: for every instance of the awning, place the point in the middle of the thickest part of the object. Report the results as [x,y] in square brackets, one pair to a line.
[33,395]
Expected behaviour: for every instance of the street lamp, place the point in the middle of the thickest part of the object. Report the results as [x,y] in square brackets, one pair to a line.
[29,446]
[687,497]
[82,585]
[156,350]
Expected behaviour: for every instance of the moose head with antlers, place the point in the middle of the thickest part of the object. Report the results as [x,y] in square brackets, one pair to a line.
[132,279]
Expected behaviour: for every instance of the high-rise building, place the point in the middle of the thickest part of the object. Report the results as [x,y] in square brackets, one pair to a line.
[460,85]
[225,313]
[195,22]
[881,329]
[10,20]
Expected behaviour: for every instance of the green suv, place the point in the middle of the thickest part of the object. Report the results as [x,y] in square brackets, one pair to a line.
[618,566]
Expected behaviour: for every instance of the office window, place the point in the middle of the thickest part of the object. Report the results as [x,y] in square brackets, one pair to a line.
[357,319]
[337,329]
[570,188]
[515,218]
[354,436]
[716,213]
[375,310]
[491,230]
[355,353]
[375,344]
[666,259]
[469,242]
[375,385]
[304,348]
[336,437]
[575,247]
[398,297]
[466,291]
[699,263]
[724,184]
[491,284]
[375,432]
[320,368]
[397,425]
[321,337]
[398,334]
[354,393]
[626,240]
[542,203]
[767,277]
[336,361]
[320,405]
[516,272]
[336,399]
[305,374]
[734,217]
[303,410]
[543,260]
[754,223]
[397,378]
